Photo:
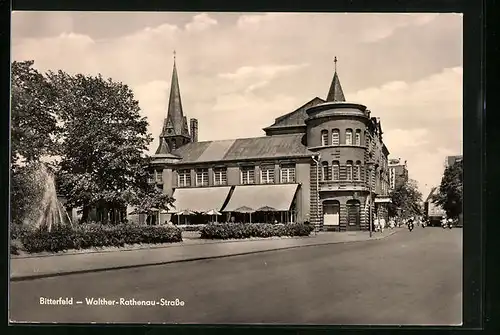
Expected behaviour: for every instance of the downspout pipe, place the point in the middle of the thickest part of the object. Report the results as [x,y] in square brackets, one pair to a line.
[316,158]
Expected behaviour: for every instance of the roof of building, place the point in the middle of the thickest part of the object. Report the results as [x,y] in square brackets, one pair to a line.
[164,150]
[175,123]
[297,117]
[431,193]
[279,146]
[335,94]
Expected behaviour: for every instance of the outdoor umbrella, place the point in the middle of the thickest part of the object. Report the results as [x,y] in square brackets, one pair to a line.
[245,209]
[266,209]
[154,209]
[163,211]
[185,212]
[214,213]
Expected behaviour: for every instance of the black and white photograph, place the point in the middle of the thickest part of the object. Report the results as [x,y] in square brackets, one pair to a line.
[236,168]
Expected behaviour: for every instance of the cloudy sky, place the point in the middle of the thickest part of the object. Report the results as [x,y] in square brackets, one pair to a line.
[239,71]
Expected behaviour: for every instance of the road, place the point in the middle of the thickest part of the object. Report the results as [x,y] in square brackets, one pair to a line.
[409,278]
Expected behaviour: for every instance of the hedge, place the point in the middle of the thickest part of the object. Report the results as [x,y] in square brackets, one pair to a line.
[191,227]
[97,235]
[246,230]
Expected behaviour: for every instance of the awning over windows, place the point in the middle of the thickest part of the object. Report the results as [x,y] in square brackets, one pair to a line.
[277,196]
[200,199]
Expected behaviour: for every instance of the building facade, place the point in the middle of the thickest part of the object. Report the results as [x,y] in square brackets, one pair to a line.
[433,211]
[398,173]
[323,163]
[451,160]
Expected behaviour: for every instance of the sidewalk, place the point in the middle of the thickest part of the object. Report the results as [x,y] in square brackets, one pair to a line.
[189,250]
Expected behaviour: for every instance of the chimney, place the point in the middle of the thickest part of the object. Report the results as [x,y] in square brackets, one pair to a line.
[194,130]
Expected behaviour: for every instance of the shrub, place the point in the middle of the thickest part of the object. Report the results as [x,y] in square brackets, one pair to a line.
[95,235]
[191,227]
[241,230]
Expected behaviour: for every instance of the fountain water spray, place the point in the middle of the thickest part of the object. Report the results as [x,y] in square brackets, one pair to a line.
[51,211]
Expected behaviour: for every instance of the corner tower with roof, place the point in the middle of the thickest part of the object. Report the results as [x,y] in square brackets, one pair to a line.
[174,134]
[343,135]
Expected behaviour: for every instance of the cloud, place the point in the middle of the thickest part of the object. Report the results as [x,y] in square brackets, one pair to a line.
[251,68]
[414,101]
[265,71]
[391,25]
[403,139]
[201,22]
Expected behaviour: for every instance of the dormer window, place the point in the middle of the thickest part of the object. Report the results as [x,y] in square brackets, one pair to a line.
[325,170]
[184,178]
[324,138]
[348,137]
[349,170]
[335,171]
[357,138]
[267,174]
[335,137]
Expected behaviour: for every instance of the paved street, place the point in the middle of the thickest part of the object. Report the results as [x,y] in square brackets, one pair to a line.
[408,278]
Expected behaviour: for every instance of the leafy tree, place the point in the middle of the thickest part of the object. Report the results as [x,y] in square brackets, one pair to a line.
[33,119]
[33,132]
[102,144]
[406,199]
[450,195]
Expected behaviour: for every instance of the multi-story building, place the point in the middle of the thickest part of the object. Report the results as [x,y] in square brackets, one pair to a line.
[398,173]
[323,163]
[433,211]
[451,160]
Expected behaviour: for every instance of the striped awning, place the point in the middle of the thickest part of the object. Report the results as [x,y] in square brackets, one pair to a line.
[277,196]
[200,200]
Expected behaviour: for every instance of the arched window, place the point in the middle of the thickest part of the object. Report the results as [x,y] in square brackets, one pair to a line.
[357,171]
[325,171]
[348,137]
[349,170]
[357,138]
[335,137]
[324,137]
[335,170]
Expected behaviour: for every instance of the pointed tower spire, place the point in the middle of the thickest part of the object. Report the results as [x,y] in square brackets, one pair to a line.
[175,132]
[335,94]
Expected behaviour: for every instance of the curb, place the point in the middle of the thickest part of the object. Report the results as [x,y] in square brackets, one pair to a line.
[124,267]
[152,246]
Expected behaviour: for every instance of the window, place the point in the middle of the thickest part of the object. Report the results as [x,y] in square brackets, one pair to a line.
[220,176]
[325,172]
[335,137]
[336,171]
[324,137]
[357,171]
[202,177]
[288,173]
[267,174]
[348,137]
[184,178]
[357,139]
[349,170]
[159,176]
[248,175]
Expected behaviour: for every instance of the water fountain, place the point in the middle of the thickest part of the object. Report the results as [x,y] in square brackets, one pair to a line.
[51,212]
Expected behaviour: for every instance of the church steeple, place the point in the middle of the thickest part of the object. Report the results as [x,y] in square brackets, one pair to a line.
[175,131]
[335,94]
